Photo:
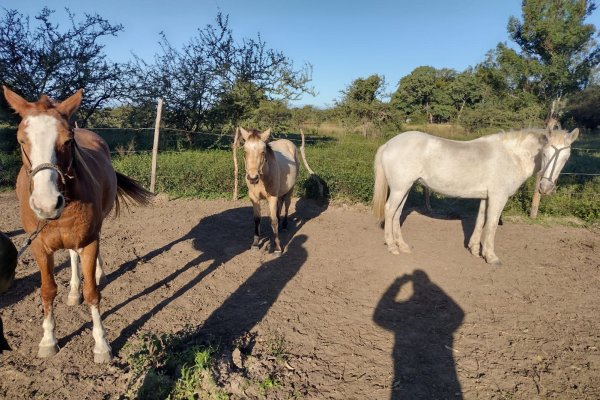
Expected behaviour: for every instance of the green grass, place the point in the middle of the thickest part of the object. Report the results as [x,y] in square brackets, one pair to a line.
[201,166]
[166,367]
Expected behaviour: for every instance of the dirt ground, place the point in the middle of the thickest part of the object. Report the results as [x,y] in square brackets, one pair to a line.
[358,322]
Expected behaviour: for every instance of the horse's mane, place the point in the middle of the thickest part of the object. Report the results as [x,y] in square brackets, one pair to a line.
[522,135]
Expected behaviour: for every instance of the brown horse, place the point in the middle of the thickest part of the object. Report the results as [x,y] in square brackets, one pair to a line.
[271,170]
[66,187]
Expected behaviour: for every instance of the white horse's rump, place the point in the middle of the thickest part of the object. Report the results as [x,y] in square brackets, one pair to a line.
[490,168]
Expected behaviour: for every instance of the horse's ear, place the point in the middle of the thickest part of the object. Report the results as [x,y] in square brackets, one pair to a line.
[571,136]
[70,105]
[16,102]
[245,134]
[264,136]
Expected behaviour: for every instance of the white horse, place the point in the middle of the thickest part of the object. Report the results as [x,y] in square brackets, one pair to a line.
[490,168]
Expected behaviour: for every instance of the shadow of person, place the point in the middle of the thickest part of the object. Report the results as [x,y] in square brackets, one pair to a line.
[423,326]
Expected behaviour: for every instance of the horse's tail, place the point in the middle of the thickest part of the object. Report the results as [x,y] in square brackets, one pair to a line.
[380,190]
[130,190]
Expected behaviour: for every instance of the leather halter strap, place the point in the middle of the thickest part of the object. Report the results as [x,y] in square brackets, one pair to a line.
[552,160]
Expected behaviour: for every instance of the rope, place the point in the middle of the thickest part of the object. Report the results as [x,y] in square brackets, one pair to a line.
[31,238]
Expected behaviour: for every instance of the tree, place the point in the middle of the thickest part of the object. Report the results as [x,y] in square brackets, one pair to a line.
[212,72]
[361,104]
[427,91]
[46,59]
[582,108]
[557,48]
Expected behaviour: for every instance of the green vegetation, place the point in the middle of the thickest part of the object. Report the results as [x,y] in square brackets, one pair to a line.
[184,366]
[203,167]
[345,164]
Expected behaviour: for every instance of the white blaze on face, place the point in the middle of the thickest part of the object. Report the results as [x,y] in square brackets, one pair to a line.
[42,131]
[254,154]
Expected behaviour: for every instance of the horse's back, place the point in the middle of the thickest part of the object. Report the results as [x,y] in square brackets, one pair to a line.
[454,168]
[96,155]
[286,155]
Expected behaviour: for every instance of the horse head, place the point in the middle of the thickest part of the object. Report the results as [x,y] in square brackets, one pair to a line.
[47,149]
[255,148]
[555,153]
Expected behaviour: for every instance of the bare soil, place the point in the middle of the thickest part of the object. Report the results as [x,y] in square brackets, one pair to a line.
[355,321]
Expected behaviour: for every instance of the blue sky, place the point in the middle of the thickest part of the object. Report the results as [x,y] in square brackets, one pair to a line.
[343,40]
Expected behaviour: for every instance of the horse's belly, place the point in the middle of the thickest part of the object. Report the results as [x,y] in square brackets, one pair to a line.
[457,189]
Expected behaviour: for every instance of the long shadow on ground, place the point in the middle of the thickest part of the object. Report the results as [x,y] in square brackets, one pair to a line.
[218,238]
[423,326]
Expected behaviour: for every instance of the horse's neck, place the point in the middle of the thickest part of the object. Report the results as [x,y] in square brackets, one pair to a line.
[271,169]
[527,153]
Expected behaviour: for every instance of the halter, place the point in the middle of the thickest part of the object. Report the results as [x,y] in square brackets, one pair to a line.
[554,157]
[54,167]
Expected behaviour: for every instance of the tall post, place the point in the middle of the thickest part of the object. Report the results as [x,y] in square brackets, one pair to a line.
[235,162]
[535,201]
[155,145]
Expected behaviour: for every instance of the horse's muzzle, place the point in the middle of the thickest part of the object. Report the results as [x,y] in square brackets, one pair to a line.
[48,211]
[253,180]
[547,187]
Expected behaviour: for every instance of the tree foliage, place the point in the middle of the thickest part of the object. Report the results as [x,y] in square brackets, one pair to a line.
[214,78]
[557,48]
[362,105]
[45,58]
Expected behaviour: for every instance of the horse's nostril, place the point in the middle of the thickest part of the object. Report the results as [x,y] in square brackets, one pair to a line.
[60,201]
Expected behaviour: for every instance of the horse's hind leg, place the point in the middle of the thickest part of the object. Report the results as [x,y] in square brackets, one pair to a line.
[287,200]
[91,295]
[494,209]
[475,241]
[74,297]
[393,235]
[402,246]
[100,276]
[48,345]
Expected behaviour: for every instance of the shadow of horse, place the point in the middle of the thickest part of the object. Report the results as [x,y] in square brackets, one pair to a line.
[240,312]
[423,326]
[218,239]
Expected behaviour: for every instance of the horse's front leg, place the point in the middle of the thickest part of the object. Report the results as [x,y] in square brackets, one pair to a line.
[48,345]
[494,209]
[273,200]
[475,241]
[256,216]
[91,295]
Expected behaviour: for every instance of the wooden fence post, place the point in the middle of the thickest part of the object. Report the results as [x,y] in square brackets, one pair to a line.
[235,162]
[535,201]
[155,145]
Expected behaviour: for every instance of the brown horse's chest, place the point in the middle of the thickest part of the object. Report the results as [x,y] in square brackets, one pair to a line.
[75,228]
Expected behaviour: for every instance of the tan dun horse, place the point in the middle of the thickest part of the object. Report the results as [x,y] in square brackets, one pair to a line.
[271,170]
[66,187]
[490,168]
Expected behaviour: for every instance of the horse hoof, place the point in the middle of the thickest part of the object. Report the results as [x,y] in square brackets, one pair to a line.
[103,358]
[493,261]
[47,351]
[404,248]
[394,250]
[475,251]
[74,300]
